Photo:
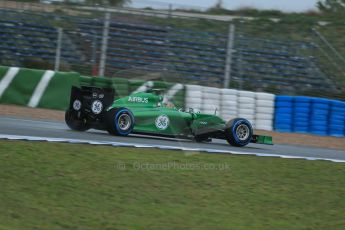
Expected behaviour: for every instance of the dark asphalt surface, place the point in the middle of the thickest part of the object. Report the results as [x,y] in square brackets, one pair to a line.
[54,129]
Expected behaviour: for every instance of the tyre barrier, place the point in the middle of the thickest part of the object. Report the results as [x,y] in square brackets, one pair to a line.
[301,114]
[246,106]
[283,114]
[258,108]
[264,106]
[317,116]
[210,100]
[228,104]
[337,119]
[49,89]
[193,97]
[320,109]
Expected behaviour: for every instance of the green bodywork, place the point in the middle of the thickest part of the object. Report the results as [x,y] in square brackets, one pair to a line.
[153,116]
[148,108]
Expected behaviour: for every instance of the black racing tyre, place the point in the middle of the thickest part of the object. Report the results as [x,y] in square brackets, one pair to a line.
[75,123]
[238,132]
[119,121]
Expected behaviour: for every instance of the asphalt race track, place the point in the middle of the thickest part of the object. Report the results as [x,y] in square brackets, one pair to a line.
[54,129]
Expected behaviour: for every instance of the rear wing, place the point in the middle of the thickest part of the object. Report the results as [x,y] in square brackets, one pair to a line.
[92,100]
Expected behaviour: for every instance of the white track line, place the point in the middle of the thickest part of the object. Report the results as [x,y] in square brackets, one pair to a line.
[120,144]
[7,79]
[40,88]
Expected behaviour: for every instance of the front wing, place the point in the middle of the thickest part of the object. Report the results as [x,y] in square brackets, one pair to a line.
[259,139]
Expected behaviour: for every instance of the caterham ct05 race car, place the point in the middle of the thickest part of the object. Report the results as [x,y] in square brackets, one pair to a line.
[145,113]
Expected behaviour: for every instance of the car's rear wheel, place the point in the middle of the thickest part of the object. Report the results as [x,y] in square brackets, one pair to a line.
[75,123]
[119,121]
[238,132]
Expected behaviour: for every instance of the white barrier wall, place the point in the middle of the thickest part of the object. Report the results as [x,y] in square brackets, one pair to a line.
[264,115]
[258,108]
[193,96]
[210,100]
[246,106]
[228,104]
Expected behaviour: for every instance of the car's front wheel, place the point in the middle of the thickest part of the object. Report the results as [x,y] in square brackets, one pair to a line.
[119,121]
[238,132]
[75,123]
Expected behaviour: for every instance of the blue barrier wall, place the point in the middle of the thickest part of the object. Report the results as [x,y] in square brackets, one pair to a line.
[310,115]
[337,119]
[283,113]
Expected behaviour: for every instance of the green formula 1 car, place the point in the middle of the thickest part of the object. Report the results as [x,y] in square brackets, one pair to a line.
[145,113]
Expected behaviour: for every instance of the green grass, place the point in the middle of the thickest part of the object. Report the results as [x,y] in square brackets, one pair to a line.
[64,186]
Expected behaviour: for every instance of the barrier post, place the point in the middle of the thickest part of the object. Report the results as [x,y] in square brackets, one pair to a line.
[94,71]
[58,50]
[229,51]
[104,44]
